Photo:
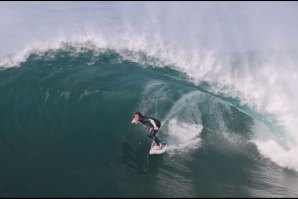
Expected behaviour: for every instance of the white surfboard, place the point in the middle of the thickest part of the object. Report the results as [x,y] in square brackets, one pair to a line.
[153,149]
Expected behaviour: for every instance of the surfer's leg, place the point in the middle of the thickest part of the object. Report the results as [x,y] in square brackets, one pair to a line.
[152,134]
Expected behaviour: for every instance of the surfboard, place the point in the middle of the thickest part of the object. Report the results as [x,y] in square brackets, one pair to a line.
[155,151]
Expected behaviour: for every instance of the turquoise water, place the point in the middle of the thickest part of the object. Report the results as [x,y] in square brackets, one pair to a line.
[65,132]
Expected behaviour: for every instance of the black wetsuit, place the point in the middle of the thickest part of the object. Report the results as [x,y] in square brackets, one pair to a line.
[152,133]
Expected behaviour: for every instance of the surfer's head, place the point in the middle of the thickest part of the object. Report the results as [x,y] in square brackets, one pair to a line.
[138,116]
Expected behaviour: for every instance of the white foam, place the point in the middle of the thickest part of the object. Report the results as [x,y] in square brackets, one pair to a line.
[182,136]
[182,124]
[278,154]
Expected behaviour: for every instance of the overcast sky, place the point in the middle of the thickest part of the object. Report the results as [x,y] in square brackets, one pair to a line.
[218,26]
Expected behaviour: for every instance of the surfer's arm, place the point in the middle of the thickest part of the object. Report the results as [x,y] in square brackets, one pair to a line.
[134,121]
[152,121]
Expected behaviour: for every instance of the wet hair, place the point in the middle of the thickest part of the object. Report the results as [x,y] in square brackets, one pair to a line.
[139,114]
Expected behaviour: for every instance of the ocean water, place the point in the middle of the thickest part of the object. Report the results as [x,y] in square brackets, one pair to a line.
[222,83]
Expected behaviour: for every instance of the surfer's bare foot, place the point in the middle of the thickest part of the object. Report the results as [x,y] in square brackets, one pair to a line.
[158,147]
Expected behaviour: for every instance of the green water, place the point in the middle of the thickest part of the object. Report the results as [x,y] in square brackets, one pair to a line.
[65,132]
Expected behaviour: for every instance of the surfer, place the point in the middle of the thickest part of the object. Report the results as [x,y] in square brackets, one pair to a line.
[154,125]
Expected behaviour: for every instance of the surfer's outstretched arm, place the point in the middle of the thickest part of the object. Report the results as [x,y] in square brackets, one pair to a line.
[134,121]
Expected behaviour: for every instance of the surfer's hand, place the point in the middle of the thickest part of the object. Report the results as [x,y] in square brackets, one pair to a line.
[134,121]
[156,128]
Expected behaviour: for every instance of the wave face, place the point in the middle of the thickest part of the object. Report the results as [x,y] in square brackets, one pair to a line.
[65,131]
[72,75]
